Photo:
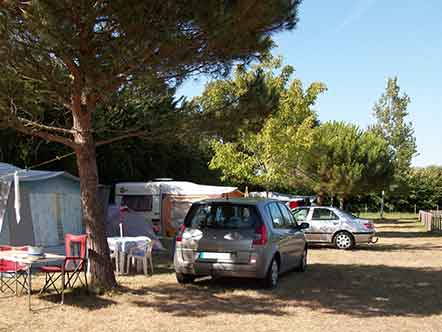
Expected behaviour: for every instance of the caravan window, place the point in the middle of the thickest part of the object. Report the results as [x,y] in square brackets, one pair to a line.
[140,203]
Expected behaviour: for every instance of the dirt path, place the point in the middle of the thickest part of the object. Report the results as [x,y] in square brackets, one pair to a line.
[395,285]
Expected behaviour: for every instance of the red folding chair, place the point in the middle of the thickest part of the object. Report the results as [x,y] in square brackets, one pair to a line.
[12,274]
[73,266]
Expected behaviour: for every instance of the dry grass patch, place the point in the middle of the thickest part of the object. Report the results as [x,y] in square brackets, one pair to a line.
[394,285]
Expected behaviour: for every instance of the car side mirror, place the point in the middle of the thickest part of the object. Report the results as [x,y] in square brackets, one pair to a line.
[304,225]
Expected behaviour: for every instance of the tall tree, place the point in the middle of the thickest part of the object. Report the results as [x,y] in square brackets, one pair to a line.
[76,55]
[241,103]
[268,156]
[344,161]
[391,114]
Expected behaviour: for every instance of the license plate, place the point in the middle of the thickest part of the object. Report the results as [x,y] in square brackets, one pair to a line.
[215,255]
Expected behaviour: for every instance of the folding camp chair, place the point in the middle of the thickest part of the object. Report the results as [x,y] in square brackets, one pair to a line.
[12,274]
[71,269]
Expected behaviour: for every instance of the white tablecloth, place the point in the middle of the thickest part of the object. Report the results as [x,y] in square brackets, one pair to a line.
[125,243]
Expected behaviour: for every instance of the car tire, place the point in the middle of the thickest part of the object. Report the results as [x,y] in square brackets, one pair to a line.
[185,278]
[272,276]
[344,240]
[303,264]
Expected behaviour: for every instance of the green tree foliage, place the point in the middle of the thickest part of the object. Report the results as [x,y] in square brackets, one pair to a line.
[269,157]
[391,113]
[425,189]
[345,161]
[77,55]
[241,103]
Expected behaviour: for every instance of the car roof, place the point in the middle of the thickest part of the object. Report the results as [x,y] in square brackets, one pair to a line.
[242,200]
[317,206]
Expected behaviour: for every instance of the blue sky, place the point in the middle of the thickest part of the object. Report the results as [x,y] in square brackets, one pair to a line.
[353,46]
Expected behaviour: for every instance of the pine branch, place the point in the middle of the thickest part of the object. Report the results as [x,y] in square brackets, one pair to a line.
[45,135]
[119,138]
[33,124]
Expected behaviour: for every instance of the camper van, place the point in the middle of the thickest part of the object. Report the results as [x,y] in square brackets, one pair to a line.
[165,202]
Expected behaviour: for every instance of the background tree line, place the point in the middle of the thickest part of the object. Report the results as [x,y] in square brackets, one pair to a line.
[256,128]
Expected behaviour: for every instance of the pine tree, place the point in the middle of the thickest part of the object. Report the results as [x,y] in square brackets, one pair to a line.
[391,112]
[77,54]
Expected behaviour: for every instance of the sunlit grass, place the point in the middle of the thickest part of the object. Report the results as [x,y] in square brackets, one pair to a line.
[390,215]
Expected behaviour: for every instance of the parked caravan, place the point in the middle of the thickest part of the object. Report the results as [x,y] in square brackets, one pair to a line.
[165,203]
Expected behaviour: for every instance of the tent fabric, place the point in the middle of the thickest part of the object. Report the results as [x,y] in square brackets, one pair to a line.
[173,188]
[7,174]
[4,194]
[50,207]
[193,189]
[17,196]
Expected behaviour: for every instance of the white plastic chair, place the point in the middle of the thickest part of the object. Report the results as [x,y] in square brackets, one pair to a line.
[141,254]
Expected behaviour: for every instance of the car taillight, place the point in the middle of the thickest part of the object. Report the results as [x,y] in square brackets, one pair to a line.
[369,225]
[261,234]
[181,230]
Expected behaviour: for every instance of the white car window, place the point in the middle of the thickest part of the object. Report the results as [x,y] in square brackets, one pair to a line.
[324,214]
[300,215]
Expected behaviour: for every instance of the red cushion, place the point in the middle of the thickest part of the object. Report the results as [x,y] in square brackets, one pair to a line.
[9,266]
[50,269]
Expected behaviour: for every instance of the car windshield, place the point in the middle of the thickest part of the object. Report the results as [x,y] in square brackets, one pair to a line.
[222,216]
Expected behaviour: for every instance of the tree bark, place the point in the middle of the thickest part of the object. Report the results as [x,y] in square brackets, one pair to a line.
[320,198]
[101,271]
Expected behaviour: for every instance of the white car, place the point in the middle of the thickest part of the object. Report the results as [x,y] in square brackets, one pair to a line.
[332,225]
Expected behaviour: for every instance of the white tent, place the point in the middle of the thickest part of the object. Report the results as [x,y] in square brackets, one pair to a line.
[49,207]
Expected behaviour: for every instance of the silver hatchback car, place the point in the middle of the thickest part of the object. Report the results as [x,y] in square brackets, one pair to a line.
[251,238]
[332,225]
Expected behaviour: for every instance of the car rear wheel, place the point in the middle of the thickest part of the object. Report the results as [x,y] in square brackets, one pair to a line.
[185,278]
[344,240]
[271,279]
[303,264]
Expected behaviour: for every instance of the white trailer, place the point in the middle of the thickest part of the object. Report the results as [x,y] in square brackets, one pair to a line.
[165,202]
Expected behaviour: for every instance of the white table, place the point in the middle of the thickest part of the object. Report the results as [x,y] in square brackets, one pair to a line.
[22,257]
[121,246]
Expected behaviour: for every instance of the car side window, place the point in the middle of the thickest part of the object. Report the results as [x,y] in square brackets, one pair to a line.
[300,215]
[288,218]
[324,214]
[275,214]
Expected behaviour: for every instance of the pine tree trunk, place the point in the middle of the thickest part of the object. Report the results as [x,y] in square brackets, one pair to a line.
[101,271]
[341,203]
[320,198]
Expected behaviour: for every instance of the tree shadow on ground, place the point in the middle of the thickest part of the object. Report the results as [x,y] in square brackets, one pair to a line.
[355,290]
[396,221]
[78,297]
[384,247]
[405,234]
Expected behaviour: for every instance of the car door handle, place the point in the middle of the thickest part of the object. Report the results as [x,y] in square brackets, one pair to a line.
[335,222]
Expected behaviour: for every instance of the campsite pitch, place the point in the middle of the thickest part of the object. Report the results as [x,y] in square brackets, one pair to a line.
[391,286]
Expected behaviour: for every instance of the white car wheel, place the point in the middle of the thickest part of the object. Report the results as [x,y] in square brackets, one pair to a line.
[344,240]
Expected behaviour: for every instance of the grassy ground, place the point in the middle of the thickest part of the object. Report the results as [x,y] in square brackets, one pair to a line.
[389,215]
[394,285]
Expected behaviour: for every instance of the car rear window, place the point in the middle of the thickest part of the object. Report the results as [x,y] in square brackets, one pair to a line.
[222,216]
